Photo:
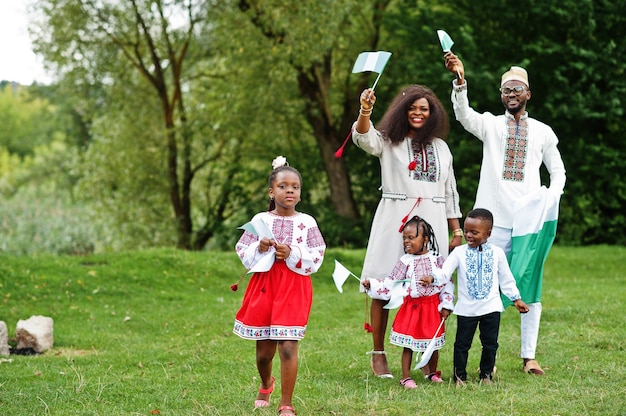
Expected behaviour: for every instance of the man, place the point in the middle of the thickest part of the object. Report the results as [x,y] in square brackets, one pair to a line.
[514,147]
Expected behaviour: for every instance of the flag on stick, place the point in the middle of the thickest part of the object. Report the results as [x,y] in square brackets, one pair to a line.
[373,62]
[398,292]
[258,228]
[341,274]
[445,40]
[367,61]
[446,45]
[428,352]
[534,229]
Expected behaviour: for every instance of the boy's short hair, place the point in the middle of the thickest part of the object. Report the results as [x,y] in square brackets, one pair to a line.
[482,214]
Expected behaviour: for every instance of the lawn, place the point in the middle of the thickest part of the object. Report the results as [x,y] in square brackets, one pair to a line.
[150,332]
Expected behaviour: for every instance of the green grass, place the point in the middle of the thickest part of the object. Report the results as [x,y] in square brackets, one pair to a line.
[151,331]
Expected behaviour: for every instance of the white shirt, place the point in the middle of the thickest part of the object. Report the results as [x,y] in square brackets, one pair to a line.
[481,275]
[498,195]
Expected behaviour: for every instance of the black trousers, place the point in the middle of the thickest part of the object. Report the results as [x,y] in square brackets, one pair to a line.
[488,326]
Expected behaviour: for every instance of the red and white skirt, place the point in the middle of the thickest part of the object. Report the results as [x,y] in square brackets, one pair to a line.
[416,322]
[276,305]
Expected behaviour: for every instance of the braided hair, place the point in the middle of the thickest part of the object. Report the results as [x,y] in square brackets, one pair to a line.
[426,230]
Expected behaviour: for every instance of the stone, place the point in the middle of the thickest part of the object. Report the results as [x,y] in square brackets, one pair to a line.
[4,339]
[35,333]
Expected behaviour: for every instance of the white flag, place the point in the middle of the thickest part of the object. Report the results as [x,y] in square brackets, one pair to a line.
[428,352]
[340,275]
[445,40]
[371,61]
[258,228]
[534,229]
[398,292]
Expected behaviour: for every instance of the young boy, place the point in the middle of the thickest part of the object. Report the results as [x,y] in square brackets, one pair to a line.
[482,273]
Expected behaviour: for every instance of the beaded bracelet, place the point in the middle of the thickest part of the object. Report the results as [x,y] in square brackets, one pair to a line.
[366,112]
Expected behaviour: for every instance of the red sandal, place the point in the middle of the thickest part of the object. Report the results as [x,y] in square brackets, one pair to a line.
[291,410]
[264,403]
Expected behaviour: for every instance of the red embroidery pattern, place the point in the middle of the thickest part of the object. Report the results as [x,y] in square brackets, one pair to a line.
[283,230]
[424,164]
[314,237]
[516,150]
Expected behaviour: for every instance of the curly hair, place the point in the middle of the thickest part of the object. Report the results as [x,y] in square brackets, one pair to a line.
[395,126]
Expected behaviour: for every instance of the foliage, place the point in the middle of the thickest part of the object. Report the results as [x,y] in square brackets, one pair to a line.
[150,332]
[138,54]
[263,78]
[35,223]
[569,49]
[27,120]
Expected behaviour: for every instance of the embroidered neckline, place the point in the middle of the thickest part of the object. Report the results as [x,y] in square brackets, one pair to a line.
[423,164]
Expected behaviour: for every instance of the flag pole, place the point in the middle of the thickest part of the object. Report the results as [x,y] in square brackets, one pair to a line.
[428,352]
[376,82]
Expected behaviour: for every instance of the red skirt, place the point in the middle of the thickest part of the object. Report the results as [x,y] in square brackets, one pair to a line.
[276,305]
[416,322]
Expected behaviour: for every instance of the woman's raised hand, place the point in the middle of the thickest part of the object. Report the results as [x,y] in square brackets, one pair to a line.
[368,98]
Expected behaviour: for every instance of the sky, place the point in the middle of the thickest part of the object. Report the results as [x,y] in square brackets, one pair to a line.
[17,61]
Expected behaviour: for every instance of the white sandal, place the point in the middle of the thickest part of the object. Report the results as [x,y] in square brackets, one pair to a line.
[372,353]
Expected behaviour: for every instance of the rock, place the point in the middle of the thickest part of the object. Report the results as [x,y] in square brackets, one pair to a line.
[4,339]
[34,333]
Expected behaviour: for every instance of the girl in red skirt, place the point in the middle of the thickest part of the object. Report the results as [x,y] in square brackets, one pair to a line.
[283,248]
[423,307]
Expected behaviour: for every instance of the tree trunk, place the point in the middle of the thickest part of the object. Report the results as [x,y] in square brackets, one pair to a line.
[313,84]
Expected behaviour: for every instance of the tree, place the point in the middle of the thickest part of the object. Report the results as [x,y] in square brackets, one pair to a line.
[570,49]
[96,43]
[191,99]
[302,32]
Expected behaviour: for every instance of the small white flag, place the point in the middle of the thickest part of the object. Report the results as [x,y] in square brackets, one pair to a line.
[398,292]
[340,275]
[258,228]
[264,264]
[428,352]
[371,61]
[445,40]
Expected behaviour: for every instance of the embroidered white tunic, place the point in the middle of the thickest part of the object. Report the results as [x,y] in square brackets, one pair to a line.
[510,168]
[299,231]
[481,276]
[413,267]
[278,298]
[428,191]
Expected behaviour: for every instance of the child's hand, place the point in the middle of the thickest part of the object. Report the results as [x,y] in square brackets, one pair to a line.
[282,251]
[445,313]
[366,284]
[426,280]
[521,306]
[265,244]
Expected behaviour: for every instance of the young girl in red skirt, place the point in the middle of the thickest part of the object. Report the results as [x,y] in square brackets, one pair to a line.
[276,306]
[424,306]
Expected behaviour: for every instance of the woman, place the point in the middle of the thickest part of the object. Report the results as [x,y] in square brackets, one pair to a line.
[417,179]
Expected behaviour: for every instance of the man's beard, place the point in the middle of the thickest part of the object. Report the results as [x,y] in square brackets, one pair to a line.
[517,109]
